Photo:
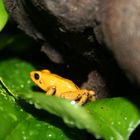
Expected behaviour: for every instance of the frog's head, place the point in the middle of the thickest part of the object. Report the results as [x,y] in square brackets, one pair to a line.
[39,78]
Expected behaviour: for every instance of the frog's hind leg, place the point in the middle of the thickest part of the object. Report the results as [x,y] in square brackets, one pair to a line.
[51,91]
[80,96]
[86,95]
[84,98]
[71,95]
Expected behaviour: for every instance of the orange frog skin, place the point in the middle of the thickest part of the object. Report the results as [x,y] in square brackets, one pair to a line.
[56,85]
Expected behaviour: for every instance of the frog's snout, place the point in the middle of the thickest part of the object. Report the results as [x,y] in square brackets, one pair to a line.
[32,75]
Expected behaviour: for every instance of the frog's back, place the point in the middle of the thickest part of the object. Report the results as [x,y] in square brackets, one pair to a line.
[63,84]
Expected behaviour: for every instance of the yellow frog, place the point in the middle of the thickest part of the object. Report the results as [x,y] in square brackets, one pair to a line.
[56,85]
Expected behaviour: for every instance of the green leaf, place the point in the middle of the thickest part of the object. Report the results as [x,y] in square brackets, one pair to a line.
[3,15]
[114,118]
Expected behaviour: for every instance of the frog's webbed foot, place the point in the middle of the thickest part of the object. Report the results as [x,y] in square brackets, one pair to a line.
[51,90]
[92,95]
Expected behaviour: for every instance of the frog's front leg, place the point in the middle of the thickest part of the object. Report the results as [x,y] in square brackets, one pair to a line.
[51,90]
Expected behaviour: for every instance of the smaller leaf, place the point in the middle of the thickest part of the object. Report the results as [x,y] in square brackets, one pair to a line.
[3,15]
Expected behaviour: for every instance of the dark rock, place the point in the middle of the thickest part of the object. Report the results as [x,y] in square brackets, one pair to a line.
[120,26]
[73,31]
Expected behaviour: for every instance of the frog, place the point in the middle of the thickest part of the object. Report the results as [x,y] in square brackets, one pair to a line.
[55,85]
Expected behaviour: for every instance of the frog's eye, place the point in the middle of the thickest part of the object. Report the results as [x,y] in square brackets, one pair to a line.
[36,76]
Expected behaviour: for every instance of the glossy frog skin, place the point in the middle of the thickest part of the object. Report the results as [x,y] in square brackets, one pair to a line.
[56,85]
